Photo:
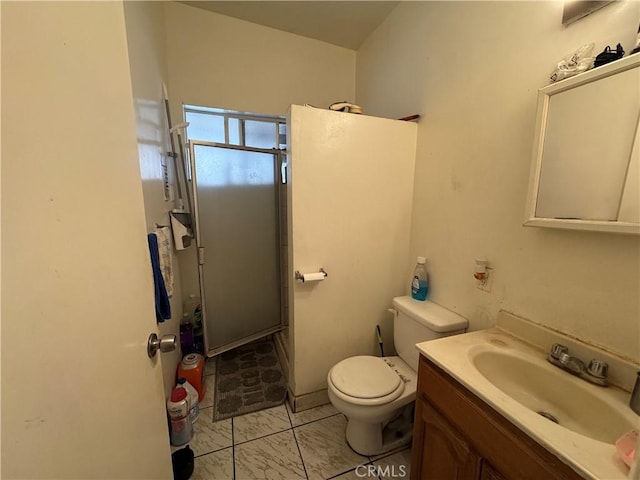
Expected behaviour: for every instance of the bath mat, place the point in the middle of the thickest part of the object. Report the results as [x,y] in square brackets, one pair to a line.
[248,378]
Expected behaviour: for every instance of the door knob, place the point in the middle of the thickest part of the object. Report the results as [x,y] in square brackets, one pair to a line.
[165,344]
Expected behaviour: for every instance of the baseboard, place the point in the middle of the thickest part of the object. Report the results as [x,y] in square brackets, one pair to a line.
[308,400]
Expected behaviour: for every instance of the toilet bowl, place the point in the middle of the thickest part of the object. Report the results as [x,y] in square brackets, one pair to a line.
[380,413]
[377,394]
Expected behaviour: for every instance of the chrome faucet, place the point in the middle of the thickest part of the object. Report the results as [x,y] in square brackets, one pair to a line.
[595,372]
[634,402]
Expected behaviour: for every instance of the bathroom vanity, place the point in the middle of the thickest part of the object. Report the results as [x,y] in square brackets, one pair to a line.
[458,436]
[489,406]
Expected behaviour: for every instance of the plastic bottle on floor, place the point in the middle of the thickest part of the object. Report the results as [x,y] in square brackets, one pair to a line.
[192,368]
[178,408]
[192,397]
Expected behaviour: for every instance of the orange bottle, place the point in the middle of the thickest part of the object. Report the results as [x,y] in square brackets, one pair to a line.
[192,368]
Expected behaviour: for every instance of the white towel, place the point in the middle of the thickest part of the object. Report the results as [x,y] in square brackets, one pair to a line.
[166,260]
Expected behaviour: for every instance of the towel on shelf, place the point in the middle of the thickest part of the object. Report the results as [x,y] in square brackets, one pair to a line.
[166,260]
[163,307]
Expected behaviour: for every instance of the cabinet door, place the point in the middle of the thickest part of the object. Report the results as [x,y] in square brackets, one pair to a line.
[439,452]
[487,472]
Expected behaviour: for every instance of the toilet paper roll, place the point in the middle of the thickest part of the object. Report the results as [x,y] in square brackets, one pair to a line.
[312,277]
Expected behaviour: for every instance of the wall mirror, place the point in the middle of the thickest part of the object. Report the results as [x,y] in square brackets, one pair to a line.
[585,171]
[574,10]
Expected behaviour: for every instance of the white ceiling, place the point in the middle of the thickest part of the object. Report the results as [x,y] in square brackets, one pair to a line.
[343,23]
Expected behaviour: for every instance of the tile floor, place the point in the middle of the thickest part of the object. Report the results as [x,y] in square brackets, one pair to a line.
[278,444]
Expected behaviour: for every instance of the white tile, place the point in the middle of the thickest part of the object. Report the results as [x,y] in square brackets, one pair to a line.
[209,393]
[324,448]
[396,466]
[210,436]
[217,465]
[359,473]
[312,414]
[274,457]
[258,424]
[392,452]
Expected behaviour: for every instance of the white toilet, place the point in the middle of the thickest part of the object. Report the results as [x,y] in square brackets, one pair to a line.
[377,394]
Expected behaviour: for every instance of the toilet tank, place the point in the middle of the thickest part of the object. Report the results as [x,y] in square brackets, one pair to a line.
[416,321]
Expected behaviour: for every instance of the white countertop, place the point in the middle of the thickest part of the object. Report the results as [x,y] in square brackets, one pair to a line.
[590,458]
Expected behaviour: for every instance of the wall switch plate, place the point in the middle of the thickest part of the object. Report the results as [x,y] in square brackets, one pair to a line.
[486,286]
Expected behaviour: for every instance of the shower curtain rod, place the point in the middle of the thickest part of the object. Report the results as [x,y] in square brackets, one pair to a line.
[239,147]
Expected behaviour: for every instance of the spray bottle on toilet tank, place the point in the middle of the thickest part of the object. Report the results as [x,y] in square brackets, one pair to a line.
[420,281]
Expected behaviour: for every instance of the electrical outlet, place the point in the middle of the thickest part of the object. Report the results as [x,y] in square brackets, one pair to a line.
[486,285]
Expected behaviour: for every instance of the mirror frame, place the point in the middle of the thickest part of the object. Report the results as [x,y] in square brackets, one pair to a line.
[544,95]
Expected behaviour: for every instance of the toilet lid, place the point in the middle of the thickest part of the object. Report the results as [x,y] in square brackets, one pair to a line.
[364,377]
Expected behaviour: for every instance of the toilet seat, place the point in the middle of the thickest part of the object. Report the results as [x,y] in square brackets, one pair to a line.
[365,380]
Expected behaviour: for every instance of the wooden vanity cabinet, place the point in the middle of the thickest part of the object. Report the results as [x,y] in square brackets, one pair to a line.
[457,436]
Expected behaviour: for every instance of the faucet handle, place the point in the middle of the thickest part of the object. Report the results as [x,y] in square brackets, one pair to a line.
[557,350]
[598,368]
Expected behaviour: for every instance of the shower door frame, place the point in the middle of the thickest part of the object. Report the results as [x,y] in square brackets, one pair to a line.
[278,155]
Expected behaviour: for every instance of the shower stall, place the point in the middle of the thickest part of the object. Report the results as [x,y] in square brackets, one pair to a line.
[236,191]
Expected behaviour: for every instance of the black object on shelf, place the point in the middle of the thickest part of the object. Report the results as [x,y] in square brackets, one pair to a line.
[637,47]
[608,55]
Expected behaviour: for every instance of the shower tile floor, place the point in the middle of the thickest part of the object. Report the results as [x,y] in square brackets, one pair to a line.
[277,444]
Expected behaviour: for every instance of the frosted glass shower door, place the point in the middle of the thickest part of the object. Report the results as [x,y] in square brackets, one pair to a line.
[236,202]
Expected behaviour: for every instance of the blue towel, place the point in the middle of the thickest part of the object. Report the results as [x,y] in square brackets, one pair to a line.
[163,307]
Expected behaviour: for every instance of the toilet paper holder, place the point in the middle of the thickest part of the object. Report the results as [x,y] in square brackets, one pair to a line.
[300,276]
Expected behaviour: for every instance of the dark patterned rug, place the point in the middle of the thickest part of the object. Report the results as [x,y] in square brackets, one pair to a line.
[248,378]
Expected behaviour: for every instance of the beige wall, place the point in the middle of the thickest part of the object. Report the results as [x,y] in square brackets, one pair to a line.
[219,61]
[224,62]
[472,70]
[147,59]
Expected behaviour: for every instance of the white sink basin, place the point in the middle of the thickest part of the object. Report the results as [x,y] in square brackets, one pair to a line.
[515,379]
[571,402]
